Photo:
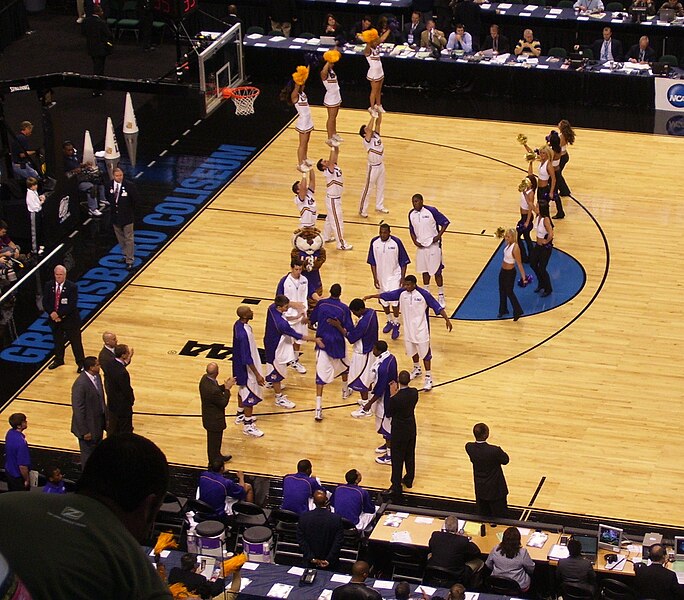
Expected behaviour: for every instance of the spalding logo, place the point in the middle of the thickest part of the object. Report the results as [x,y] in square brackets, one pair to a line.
[675,95]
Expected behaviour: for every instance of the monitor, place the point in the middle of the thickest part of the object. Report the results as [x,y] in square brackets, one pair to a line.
[609,537]
[666,15]
[638,14]
[589,545]
[679,547]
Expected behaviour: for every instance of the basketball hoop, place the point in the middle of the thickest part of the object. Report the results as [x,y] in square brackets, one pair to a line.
[243,98]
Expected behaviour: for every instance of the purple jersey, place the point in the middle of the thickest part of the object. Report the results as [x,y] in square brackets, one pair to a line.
[387,372]
[297,489]
[276,327]
[350,500]
[242,354]
[332,308]
[365,330]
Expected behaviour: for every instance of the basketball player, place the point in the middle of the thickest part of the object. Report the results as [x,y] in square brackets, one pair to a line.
[375,178]
[296,288]
[334,182]
[414,303]
[427,226]
[247,371]
[304,199]
[333,99]
[388,259]
[331,355]
[279,347]
[362,337]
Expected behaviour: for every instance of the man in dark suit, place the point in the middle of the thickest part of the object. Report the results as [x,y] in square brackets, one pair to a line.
[451,550]
[656,581]
[214,397]
[607,48]
[120,397]
[122,197]
[491,491]
[60,300]
[320,534]
[356,589]
[414,29]
[106,356]
[495,41]
[641,52]
[99,40]
[88,417]
[401,408]
[575,569]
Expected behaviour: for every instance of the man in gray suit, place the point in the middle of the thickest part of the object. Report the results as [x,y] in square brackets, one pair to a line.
[89,413]
[214,396]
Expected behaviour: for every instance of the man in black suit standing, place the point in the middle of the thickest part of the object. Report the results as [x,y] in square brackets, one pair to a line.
[656,581]
[99,40]
[120,397]
[122,197]
[641,52]
[608,48]
[402,410]
[106,356]
[88,417]
[214,397]
[320,534]
[496,42]
[60,302]
[491,491]
[413,30]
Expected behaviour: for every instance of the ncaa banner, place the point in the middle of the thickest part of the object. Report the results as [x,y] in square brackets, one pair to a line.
[669,94]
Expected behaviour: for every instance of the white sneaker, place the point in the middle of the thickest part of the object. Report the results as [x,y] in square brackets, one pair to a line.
[442,300]
[80,20]
[94,213]
[240,419]
[308,162]
[318,415]
[362,402]
[360,413]
[373,112]
[332,239]
[297,366]
[337,137]
[379,109]
[364,215]
[252,430]
[381,449]
[334,143]
[347,393]
[345,246]
[304,168]
[383,210]
[416,372]
[383,460]
[329,142]
[427,384]
[283,402]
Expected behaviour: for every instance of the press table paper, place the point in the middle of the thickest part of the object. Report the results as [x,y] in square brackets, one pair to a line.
[279,590]
[299,571]
[380,584]
[337,578]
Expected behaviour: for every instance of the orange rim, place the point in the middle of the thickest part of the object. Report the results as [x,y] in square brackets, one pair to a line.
[246,91]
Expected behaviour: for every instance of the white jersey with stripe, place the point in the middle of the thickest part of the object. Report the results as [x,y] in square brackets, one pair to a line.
[334,182]
[375,149]
[307,209]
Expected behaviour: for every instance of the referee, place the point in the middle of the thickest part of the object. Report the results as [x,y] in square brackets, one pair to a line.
[401,409]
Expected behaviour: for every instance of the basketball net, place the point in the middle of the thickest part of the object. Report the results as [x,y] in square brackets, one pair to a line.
[243,98]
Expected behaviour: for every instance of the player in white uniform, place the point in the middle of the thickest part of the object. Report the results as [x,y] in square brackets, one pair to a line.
[388,260]
[294,94]
[333,98]
[414,303]
[375,178]
[296,287]
[304,200]
[375,75]
[427,226]
[334,184]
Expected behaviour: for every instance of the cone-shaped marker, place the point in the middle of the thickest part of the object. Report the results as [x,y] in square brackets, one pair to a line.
[88,152]
[130,130]
[112,154]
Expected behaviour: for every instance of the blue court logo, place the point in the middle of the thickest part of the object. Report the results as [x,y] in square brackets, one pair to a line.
[675,125]
[675,95]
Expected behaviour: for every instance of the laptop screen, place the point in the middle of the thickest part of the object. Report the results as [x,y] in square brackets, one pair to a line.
[679,547]
[589,544]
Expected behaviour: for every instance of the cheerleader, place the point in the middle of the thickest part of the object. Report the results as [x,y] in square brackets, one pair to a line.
[527,189]
[511,258]
[553,140]
[333,99]
[294,94]
[546,176]
[541,253]
[567,138]
[375,75]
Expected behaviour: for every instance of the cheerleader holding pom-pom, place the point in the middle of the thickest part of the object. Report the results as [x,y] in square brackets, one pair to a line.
[527,189]
[375,75]
[511,258]
[333,99]
[293,93]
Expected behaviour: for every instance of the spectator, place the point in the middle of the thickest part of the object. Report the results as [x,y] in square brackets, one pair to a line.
[451,550]
[356,589]
[528,46]
[88,408]
[20,148]
[588,6]
[358,28]
[575,569]
[232,17]
[656,581]
[188,574]
[352,502]
[282,14]
[641,52]
[106,356]
[99,40]
[402,591]
[17,458]
[320,534]
[55,481]
[456,592]
[432,38]
[510,559]
[496,42]
[413,29]
[299,487]
[675,5]
[89,179]
[607,48]
[647,4]
[120,395]
[8,248]
[332,26]
[215,489]
[34,204]
[460,40]
[87,545]
[123,196]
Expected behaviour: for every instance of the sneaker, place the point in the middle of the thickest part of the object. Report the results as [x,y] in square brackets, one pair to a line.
[416,372]
[427,384]
[303,168]
[297,366]
[345,246]
[381,449]
[309,163]
[379,109]
[94,213]
[80,20]
[362,402]
[360,413]
[383,210]
[334,143]
[268,385]
[332,239]
[284,402]
[347,393]
[364,215]
[103,204]
[337,137]
[387,328]
[383,460]
[373,112]
[395,331]
[329,142]
[318,414]
[252,430]
[240,419]
[442,300]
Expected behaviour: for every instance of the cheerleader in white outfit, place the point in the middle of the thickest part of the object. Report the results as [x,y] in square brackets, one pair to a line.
[375,75]
[294,94]
[333,98]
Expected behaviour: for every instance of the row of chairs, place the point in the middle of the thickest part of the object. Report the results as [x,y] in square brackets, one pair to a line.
[124,19]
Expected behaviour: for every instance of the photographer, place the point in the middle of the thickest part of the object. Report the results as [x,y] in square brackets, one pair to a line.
[89,179]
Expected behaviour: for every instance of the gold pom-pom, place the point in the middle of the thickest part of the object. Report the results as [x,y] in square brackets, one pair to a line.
[370,35]
[530,156]
[179,591]
[500,232]
[524,185]
[331,56]
[234,563]
[522,139]
[300,75]
[164,541]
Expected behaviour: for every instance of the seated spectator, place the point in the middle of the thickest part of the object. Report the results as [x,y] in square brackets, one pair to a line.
[190,576]
[359,27]
[55,483]
[656,581]
[451,550]
[390,25]
[232,17]
[332,26]
[456,592]
[608,48]
[641,52]
[20,149]
[510,559]
[356,589]
[413,29]
[528,46]
[352,502]
[299,487]
[460,40]
[674,5]
[432,37]
[402,591]
[89,177]
[575,569]
[215,488]
[8,248]
[588,6]
[647,4]
[496,42]
[320,534]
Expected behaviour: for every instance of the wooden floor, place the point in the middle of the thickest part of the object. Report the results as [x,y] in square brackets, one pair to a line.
[588,396]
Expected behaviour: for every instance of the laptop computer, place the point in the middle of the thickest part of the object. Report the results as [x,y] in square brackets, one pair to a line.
[328,40]
[666,15]
[589,546]
[659,68]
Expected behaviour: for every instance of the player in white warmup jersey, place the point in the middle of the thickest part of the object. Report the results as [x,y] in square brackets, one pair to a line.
[375,177]
[334,184]
[304,200]
[296,287]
